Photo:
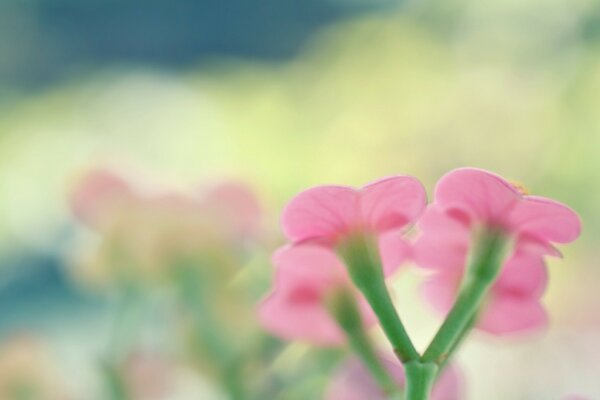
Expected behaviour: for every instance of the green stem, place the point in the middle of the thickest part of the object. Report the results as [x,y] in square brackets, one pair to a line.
[462,336]
[379,298]
[419,379]
[364,266]
[480,276]
[343,307]
[115,386]
[207,328]
[361,345]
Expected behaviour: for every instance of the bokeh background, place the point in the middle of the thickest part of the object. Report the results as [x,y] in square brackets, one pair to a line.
[283,95]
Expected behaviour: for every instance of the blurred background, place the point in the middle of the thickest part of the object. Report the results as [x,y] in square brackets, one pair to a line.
[281,95]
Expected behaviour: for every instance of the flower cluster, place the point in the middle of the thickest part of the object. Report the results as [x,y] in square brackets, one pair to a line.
[468,201]
[482,238]
[146,229]
[318,221]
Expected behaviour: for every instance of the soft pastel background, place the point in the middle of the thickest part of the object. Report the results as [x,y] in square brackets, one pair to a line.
[284,95]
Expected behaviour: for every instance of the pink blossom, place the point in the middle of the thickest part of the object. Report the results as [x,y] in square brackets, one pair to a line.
[468,199]
[329,214]
[296,310]
[488,199]
[102,196]
[308,271]
[352,381]
[145,229]
[99,193]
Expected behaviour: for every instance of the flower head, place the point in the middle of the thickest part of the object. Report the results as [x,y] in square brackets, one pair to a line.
[353,381]
[297,308]
[481,197]
[330,214]
[468,200]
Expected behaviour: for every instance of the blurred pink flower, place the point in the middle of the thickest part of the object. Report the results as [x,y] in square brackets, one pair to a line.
[352,381]
[101,195]
[469,199]
[98,194]
[296,309]
[148,228]
[329,214]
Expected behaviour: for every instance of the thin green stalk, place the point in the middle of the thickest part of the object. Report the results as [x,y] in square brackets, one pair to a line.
[361,345]
[480,276]
[457,343]
[364,266]
[344,308]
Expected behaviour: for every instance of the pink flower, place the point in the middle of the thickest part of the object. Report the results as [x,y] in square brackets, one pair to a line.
[296,310]
[329,214]
[468,199]
[309,271]
[102,196]
[353,382]
[485,198]
[145,229]
[98,194]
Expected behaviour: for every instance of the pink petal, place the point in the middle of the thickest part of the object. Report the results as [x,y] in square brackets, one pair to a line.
[441,288]
[506,315]
[353,382]
[309,263]
[236,206]
[546,219]
[97,193]
[523,277]
[443,242]
[296,322]
[528,244]
[295,309]
[392,203]
[443,223]
[484,195]
[450,385]
[322,212]
[394,251]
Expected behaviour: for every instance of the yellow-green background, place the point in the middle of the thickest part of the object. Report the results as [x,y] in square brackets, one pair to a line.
[418,89]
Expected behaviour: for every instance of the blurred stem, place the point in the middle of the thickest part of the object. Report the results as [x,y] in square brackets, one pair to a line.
[479,277]
[122,334]
[364,266]
[114,382]
[126,318]
[344,308]
[419,379]
[207,328]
